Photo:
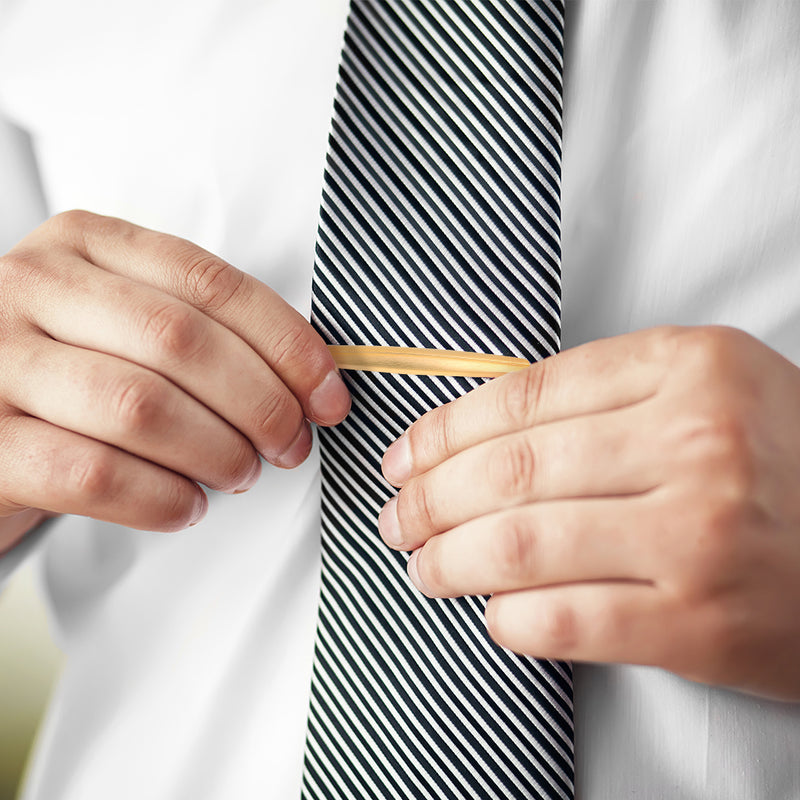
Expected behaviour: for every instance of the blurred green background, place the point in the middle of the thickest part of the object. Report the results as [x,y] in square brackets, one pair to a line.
[29,666]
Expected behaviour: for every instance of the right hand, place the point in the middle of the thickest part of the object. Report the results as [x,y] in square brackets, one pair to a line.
[135,366]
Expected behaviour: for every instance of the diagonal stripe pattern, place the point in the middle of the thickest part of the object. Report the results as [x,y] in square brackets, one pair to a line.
[439,227]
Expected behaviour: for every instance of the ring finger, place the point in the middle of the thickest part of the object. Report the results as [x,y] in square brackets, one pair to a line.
[117,402]
[591,456]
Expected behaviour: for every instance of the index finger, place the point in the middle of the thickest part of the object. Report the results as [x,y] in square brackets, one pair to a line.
[599,376]
[280,335]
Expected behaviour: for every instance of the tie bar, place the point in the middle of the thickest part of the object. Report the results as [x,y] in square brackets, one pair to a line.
[422,361]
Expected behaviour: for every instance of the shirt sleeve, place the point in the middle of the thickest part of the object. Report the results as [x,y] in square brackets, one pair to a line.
[22,208]
[22,204]
[17,555]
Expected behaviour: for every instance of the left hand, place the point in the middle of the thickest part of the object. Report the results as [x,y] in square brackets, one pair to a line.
[636,500]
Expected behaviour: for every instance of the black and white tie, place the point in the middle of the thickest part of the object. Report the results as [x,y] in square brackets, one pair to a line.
[440,227]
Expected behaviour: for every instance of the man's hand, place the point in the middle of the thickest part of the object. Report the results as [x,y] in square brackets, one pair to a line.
[633,500]
[135,366]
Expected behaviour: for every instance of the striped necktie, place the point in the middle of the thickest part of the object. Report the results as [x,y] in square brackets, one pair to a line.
[439,227]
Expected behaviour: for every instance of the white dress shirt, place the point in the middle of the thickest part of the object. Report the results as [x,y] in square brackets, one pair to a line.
[189,655]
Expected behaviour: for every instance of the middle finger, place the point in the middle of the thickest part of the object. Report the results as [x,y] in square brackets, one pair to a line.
[113,401]
[591,456]
[141,324]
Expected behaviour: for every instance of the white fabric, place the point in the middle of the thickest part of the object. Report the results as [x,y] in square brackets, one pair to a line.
[189,654]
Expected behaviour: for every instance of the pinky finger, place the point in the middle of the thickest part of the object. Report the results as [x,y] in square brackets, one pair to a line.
[46,467]
[623,622]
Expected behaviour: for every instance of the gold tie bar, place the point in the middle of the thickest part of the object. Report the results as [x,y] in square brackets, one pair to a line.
[422,361]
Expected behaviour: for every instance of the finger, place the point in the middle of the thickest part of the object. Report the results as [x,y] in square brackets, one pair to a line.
[603,622]
[591,456]
[600,376]
[281,336]
[538,545]
[120,403]
[43,466]
[101,311]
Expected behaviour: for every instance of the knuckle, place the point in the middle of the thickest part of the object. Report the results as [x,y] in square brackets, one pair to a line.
[719,444]
[716,524]
[554,632]
[79,227]
[432,437]
[75,219]
[559,629]
[210,282]
[277,411]
[292,346]
[521,396]
[510,468]
[415,508]
[240,465]
[174,331]
[138,403]
[663,341]
[16,265]
[727,429]
[514,548]
[91,478]
[177,506]
[17,269]
[736,482]
[706,348]
[718,556]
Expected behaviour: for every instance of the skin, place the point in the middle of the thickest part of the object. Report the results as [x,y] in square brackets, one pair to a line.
[632,500]
[137,366]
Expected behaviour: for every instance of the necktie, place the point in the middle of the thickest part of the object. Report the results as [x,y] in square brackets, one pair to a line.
[439,227]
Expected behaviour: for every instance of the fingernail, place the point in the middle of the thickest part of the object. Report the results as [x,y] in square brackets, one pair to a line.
[199,509]
[389,525]
[396,464]
[329,403]
[297,452]
[413,573]
[251,479]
